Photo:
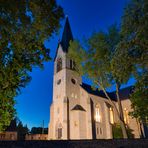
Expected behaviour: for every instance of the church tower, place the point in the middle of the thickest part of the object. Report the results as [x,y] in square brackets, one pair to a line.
[66,90]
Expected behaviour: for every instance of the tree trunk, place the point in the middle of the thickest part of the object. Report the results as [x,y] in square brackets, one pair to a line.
[121,113]
[124,132]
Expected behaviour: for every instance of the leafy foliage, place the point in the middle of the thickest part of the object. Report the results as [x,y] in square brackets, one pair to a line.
[95,60]
[24,25]
[117,131]
[38,130]
[132,50]
[7,112]
[139,98]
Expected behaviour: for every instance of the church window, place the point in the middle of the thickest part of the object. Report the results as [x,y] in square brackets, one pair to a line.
[73,81]
[97,130]
[97,114]
[126,117]
[59,81]
[72,65]
[100,131]
[59,133]
[59,64]
[111,114]
[75,96]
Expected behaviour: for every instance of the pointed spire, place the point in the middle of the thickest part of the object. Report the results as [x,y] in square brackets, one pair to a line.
[67,36]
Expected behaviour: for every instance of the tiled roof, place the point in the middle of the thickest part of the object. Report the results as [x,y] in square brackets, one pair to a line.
[124,93]
[90,90]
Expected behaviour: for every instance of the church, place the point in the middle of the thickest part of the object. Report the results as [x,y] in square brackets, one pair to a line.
[78,111]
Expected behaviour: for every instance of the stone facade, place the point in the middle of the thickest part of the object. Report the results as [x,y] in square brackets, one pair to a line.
[77,111]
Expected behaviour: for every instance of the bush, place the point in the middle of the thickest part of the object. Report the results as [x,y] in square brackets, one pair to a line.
[117,131]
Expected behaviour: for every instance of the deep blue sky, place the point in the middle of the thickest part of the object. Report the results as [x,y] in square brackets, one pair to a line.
[85,16]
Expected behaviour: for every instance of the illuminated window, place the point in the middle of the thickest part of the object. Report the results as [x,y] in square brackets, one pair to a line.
[111,114]
[126,117]
[97,114]
[59,64]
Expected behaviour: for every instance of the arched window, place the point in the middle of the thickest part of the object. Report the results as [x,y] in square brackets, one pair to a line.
[72,65]
[126,117]
[97,114]
[111,114]
[58,130]
[59,64]
[59,133]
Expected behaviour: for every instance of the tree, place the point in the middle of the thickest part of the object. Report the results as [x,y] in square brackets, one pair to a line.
[139,99]
[22,130]
[24,25]
[132,50]
[39,130]
[96,63]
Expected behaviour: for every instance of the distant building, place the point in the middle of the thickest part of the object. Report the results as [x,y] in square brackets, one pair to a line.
[36,137]
[78,111]
[10,133]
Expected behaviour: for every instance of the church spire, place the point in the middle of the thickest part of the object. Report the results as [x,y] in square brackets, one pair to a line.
[67,36]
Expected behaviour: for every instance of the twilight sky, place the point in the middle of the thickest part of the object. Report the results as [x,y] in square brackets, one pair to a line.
[85,16]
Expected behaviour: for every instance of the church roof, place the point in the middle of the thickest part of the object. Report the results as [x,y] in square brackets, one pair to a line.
[67,36]
[78,107]
[90,90]
[124,93]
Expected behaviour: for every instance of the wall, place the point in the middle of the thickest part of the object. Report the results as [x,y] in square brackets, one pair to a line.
[36,137]
[8,136]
